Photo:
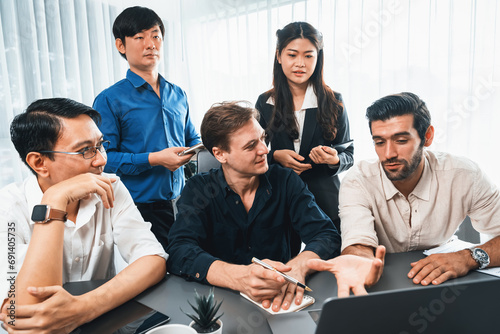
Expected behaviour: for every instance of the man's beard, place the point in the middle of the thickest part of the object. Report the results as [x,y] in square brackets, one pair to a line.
[408,167]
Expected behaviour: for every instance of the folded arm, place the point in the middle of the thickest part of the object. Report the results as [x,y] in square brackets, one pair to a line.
[61,312]
[41,303]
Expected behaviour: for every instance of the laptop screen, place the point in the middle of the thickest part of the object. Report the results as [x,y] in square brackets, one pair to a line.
[471,307]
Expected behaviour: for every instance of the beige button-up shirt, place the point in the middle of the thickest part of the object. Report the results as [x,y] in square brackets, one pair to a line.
[373,212]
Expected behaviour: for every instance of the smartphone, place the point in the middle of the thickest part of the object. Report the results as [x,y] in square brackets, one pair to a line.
[131,318]
[195,148]
[342,146]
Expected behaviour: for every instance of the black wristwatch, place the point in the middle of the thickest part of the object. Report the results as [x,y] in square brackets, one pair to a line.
[480,256]
[44,213]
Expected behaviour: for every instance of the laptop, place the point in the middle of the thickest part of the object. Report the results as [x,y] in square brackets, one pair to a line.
[471,307]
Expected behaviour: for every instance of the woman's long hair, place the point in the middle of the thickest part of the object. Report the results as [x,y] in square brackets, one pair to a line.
[329,108]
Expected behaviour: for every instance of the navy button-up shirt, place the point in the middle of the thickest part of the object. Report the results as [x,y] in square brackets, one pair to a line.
[212,223]
[136,122]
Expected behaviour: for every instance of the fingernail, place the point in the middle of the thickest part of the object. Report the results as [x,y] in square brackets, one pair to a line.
[285,304]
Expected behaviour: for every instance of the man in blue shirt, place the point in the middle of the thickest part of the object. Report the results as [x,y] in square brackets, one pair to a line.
[247,209]
[146,119]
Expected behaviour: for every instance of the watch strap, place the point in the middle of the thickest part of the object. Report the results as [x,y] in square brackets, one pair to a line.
[43,213]
[55,214]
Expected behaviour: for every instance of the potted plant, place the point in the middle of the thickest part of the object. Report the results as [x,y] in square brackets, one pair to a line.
[205,320]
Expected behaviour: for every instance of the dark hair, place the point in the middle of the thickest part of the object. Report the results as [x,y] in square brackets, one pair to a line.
[398,105]
[39,127]
[329,108]
[134,20]
[222,120]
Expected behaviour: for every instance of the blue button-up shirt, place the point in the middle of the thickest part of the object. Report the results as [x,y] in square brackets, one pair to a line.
[212,223]
[136,122]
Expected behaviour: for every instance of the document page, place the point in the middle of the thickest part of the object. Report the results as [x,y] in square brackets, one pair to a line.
[306,301]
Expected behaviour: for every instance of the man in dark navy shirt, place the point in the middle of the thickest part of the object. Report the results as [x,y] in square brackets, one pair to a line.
[247,209]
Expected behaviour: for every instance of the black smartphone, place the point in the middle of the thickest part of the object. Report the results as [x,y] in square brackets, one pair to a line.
[129,318]
[195,148]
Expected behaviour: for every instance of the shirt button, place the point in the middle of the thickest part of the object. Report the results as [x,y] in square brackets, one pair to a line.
[77,259]
[237,202]
[249,248]
[197,275]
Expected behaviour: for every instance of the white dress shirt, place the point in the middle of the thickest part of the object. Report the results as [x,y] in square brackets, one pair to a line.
[373,211]
[310,101]
[88,242]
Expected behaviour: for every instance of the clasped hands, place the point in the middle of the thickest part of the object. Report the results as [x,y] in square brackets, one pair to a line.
[319,155]
[60,312]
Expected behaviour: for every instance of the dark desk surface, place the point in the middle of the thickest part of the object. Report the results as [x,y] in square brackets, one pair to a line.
[241,316]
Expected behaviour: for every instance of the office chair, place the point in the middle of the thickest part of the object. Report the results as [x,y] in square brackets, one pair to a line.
[206,161]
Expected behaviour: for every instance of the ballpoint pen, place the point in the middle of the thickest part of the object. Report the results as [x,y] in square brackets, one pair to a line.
[285,276]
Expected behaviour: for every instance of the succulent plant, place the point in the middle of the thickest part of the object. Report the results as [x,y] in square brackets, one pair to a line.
[206,309]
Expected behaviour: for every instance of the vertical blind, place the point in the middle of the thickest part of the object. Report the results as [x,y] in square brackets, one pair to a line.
[443,50]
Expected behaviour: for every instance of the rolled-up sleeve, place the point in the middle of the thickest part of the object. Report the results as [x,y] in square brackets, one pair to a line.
[188,235]
[485,207]
[357,220]
[131,234]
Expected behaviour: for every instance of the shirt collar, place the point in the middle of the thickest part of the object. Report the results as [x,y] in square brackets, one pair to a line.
[263,184]
[222,181]
[33,193]
[137,81]
[310,99]
[422,189]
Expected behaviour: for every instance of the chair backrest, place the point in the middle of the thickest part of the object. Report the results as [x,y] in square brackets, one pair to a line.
[206,161]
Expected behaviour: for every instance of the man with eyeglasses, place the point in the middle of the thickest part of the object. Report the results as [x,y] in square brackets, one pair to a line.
[64,221]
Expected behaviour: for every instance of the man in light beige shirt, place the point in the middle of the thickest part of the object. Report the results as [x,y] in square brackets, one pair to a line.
[414,199]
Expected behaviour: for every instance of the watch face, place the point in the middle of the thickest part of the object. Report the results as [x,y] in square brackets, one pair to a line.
[39,213]
[480,254]
[481,257]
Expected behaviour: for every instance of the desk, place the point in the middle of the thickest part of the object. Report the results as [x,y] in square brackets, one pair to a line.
[242,317]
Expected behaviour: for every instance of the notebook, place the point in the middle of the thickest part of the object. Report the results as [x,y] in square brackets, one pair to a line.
[306,301]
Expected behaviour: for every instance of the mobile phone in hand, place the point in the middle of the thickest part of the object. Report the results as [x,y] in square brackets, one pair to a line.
[195,148]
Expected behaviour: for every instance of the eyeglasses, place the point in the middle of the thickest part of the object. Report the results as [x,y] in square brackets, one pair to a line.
[87,152]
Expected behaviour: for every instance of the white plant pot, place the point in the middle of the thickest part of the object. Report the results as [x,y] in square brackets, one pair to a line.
[218,331]
[173,329]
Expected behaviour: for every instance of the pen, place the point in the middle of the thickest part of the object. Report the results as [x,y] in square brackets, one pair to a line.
[285,276]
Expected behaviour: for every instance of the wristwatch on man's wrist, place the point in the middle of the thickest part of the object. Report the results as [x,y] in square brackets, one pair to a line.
[44,213]
[480,256]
